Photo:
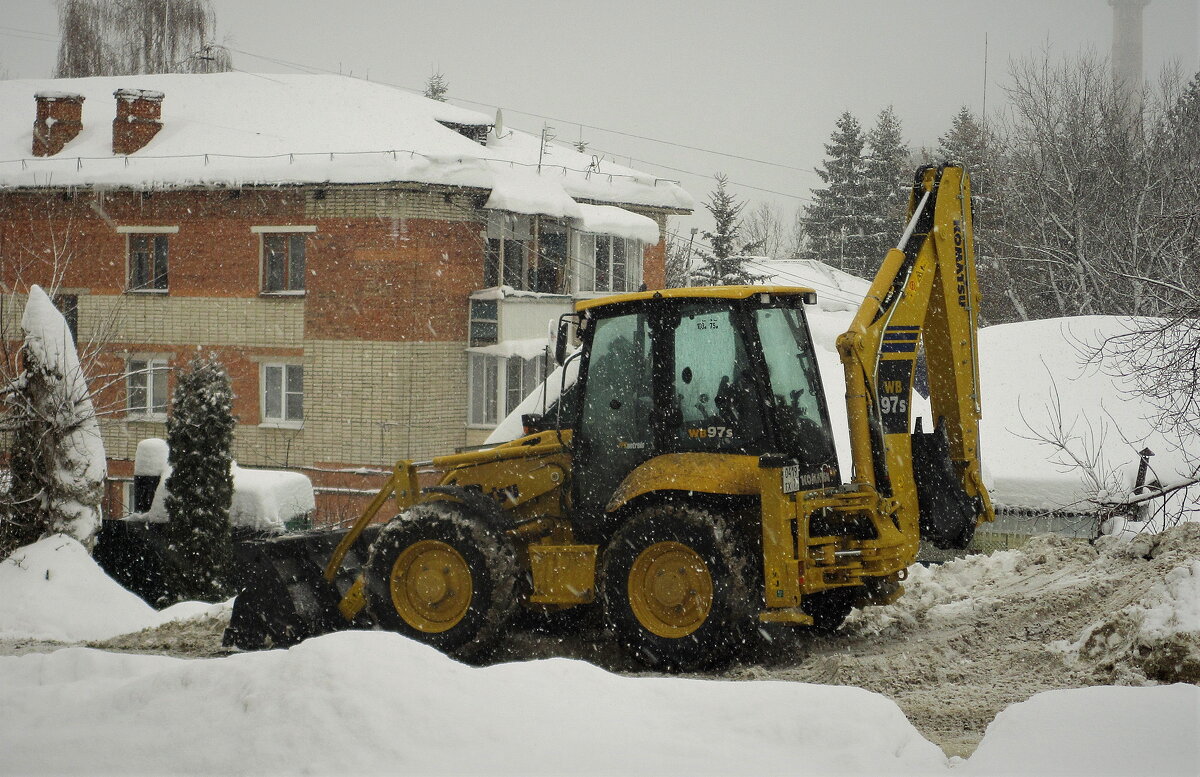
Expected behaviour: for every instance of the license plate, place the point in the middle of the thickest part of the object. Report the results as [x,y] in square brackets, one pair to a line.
[791,478]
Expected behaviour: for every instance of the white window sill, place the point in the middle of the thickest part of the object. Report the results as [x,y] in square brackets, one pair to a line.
[145,418]
[163,292]
[281,425]
[294,293]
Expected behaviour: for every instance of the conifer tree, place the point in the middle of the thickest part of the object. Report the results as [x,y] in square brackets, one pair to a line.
[436,87]
[200,486]
[885,175]
[724,264]
[833,222]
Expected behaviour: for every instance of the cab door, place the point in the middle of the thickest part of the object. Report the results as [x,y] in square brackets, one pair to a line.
[615,429]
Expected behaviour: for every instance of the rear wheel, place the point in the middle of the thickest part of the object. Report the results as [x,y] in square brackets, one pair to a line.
[440,575]
[674,588]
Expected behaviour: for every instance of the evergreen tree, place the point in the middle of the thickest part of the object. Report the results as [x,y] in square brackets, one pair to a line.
[436,87]
[834,226]
[200,486]
[126,37]
[725,263]
[57,459]
[885,179]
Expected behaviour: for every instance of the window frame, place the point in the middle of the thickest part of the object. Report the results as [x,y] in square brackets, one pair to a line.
[487,410]
[155,365]
[282,421]
[588,247]
[291,232]
[161,236]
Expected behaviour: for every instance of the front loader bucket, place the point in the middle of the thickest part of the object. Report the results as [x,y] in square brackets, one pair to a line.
[283,594]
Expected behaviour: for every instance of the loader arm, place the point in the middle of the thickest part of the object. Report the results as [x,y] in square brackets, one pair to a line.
[925,293]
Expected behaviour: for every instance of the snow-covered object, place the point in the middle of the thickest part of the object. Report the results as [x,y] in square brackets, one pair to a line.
[263,500]
[609,220]
[1034,382]
[54,590]
[231,129]
[151,457]
[414,711]
[1096,732]
[77,482]
[837,291]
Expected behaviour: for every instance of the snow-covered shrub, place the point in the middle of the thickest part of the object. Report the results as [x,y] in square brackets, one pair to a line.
[57,457]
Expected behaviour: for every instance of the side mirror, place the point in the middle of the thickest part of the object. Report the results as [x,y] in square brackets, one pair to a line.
[560,341]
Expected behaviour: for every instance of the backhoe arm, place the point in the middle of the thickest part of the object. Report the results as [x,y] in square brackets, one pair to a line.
[924,294]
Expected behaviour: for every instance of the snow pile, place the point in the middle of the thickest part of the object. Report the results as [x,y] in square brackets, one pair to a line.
[1094,731]
[837,291]
[61,400]
[1158,635]
[53,590]
[374,702]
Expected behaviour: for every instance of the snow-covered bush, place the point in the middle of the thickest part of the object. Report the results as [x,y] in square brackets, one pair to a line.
[57,457]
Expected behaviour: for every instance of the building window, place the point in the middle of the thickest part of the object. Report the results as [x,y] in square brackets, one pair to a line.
[607,263]
[506,257]
[283,262]
[283,394]
[146,388]
[148,262]
[68,305]
[485,324]
[498,384]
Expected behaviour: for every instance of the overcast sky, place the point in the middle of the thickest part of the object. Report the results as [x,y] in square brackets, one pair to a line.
[759,80]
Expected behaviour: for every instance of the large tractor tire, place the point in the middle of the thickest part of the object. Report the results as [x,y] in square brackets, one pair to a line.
[442,576]
[675,587]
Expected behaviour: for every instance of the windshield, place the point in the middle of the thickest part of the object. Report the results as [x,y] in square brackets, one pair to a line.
[794,383]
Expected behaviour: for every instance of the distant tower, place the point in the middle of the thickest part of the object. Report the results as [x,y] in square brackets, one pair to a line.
[1127,50]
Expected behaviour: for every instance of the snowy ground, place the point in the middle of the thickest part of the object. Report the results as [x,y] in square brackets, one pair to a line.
[1075,659]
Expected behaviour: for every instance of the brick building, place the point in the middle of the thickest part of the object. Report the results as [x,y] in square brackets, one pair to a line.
[376,270]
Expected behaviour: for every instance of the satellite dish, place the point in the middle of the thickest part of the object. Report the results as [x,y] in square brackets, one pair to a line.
[499,128]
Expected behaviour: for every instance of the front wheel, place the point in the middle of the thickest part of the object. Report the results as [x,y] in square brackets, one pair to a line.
[674,589]
[442,576]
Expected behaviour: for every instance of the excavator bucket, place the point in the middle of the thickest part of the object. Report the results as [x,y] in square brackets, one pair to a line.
[284,596]
[949,514]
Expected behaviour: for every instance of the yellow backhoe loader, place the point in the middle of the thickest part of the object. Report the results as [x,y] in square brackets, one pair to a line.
[687,483]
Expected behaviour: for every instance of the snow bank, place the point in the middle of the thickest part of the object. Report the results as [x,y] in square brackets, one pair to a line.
[1095,731]
[53,590]
[375,702]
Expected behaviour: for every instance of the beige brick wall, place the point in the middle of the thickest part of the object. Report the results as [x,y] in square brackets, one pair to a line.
[369,202]
[145,318]
[380,401]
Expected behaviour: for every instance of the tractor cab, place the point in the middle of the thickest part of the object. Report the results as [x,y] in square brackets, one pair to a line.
[723,370]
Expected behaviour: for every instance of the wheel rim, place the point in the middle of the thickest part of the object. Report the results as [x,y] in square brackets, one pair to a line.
[431,586]
[670,589]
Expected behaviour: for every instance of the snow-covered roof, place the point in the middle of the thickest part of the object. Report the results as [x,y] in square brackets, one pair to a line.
[836,290]
[232,129]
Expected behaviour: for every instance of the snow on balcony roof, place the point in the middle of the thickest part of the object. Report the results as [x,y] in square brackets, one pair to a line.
[233,129]
[609,220]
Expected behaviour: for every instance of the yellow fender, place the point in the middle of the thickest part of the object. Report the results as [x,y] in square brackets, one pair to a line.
[710,473]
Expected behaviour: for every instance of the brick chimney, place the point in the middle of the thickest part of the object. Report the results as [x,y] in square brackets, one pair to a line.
[137,122]
[59,119]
